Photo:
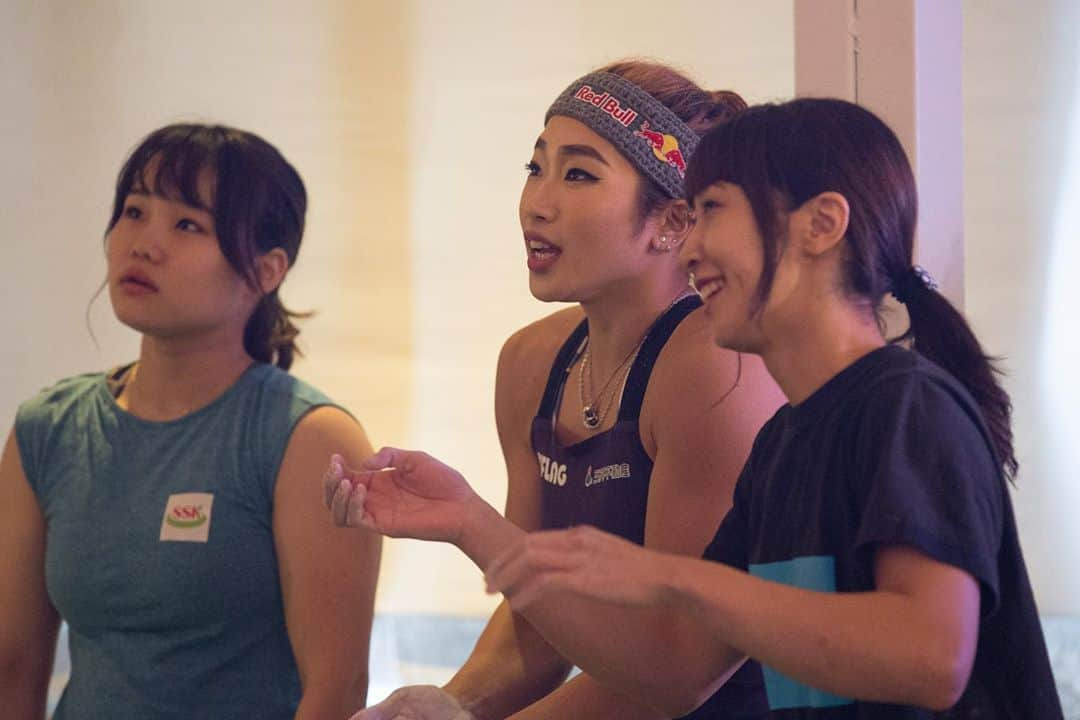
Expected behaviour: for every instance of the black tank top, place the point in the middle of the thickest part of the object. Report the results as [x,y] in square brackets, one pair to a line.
[603,481]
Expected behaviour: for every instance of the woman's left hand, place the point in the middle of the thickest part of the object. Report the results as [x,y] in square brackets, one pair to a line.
[582,561]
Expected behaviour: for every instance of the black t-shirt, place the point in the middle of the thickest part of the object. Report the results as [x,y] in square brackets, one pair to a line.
[891,451]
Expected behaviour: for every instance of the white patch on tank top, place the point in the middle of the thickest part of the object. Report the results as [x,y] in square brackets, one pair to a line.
[187,518]
[551,471]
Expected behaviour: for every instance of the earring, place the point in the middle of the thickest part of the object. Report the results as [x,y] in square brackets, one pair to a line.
[663,243]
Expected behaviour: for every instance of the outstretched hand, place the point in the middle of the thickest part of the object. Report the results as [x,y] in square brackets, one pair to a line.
[416,702]
[582,561]
[399,493]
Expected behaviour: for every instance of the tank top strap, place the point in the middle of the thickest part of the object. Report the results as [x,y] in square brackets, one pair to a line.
[638,379]
[560,367]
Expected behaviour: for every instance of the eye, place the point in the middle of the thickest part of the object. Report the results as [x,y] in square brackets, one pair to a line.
[708,205]
[532,168]
[189,225]
[132,212]
[579,175]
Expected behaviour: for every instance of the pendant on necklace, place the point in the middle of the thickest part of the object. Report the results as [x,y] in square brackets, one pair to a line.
[590,418]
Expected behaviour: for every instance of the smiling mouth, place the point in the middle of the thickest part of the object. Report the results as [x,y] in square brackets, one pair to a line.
[707,288]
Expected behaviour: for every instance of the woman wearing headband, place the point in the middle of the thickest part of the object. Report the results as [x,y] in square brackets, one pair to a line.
[618,413]
[161,508]
[871,560]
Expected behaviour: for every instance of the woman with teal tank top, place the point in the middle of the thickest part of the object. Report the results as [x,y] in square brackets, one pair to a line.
[617,412]
[162,509]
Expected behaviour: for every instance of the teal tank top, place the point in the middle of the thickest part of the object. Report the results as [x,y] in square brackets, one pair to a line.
[160,548]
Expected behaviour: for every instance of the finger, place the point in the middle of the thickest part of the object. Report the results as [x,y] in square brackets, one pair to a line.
[535,590]
[535,560]
[331,478]
[388,709]
[371,713]
[385,458]
[554,539]
[355,509]
[339,506]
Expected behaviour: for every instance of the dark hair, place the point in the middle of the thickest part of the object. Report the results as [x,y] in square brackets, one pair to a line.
[700,109]
[783,155]
[258,203]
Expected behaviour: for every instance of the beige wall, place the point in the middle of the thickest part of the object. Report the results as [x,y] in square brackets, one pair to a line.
[410,123]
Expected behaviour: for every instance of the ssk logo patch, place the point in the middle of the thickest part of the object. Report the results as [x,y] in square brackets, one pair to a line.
[187,518]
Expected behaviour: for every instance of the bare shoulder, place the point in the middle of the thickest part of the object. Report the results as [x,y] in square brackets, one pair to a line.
[526,357]
[326,428]
[694,377]
[537,342]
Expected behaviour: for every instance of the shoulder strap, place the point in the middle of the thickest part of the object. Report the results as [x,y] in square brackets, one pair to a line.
[560,367]
[638,379]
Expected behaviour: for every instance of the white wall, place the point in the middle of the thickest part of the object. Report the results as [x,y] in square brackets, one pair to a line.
[1022,229]
[410,123]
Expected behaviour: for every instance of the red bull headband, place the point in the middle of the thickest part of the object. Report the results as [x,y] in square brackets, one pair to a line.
[654,139]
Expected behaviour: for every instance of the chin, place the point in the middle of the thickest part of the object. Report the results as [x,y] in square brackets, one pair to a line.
[728,340]
[546,291]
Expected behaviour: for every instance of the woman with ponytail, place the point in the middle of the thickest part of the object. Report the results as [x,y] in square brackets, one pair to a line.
[161,508]
[870,561]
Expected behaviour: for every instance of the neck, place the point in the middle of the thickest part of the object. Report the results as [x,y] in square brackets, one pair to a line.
[174,377]
[620,318]
[820,343]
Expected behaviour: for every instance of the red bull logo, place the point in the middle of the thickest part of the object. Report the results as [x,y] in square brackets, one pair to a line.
[611,105]
[664,147]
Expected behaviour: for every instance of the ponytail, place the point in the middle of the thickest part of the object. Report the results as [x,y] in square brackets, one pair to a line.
[270,334]
[941,334]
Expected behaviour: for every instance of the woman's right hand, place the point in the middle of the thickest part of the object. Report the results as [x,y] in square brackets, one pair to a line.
[416,702]
[399,493]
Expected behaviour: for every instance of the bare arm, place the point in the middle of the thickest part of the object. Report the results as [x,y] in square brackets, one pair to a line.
[512,665]
[703,408]
[702,411]
[28,621]
[911,641]
[699,430]
[328,575]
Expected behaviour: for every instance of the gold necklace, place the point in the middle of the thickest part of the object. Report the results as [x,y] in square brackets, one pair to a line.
[594,411]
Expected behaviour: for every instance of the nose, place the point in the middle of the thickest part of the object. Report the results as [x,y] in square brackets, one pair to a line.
[146,240]
[141,251]
[538,202]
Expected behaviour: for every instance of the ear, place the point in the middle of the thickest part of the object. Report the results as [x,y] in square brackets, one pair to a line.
[675,222]
[271,266]
[820,223]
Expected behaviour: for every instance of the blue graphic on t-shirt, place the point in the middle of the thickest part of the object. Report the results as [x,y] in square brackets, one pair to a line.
[809,573]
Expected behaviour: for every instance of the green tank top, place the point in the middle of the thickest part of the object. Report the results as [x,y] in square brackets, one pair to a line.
[160,549]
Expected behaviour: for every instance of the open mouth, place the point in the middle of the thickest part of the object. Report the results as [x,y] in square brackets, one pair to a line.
[707,288]
[542,249]
[541,253]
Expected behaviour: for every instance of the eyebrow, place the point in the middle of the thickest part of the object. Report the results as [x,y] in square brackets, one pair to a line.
[143,192]
[575,150]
